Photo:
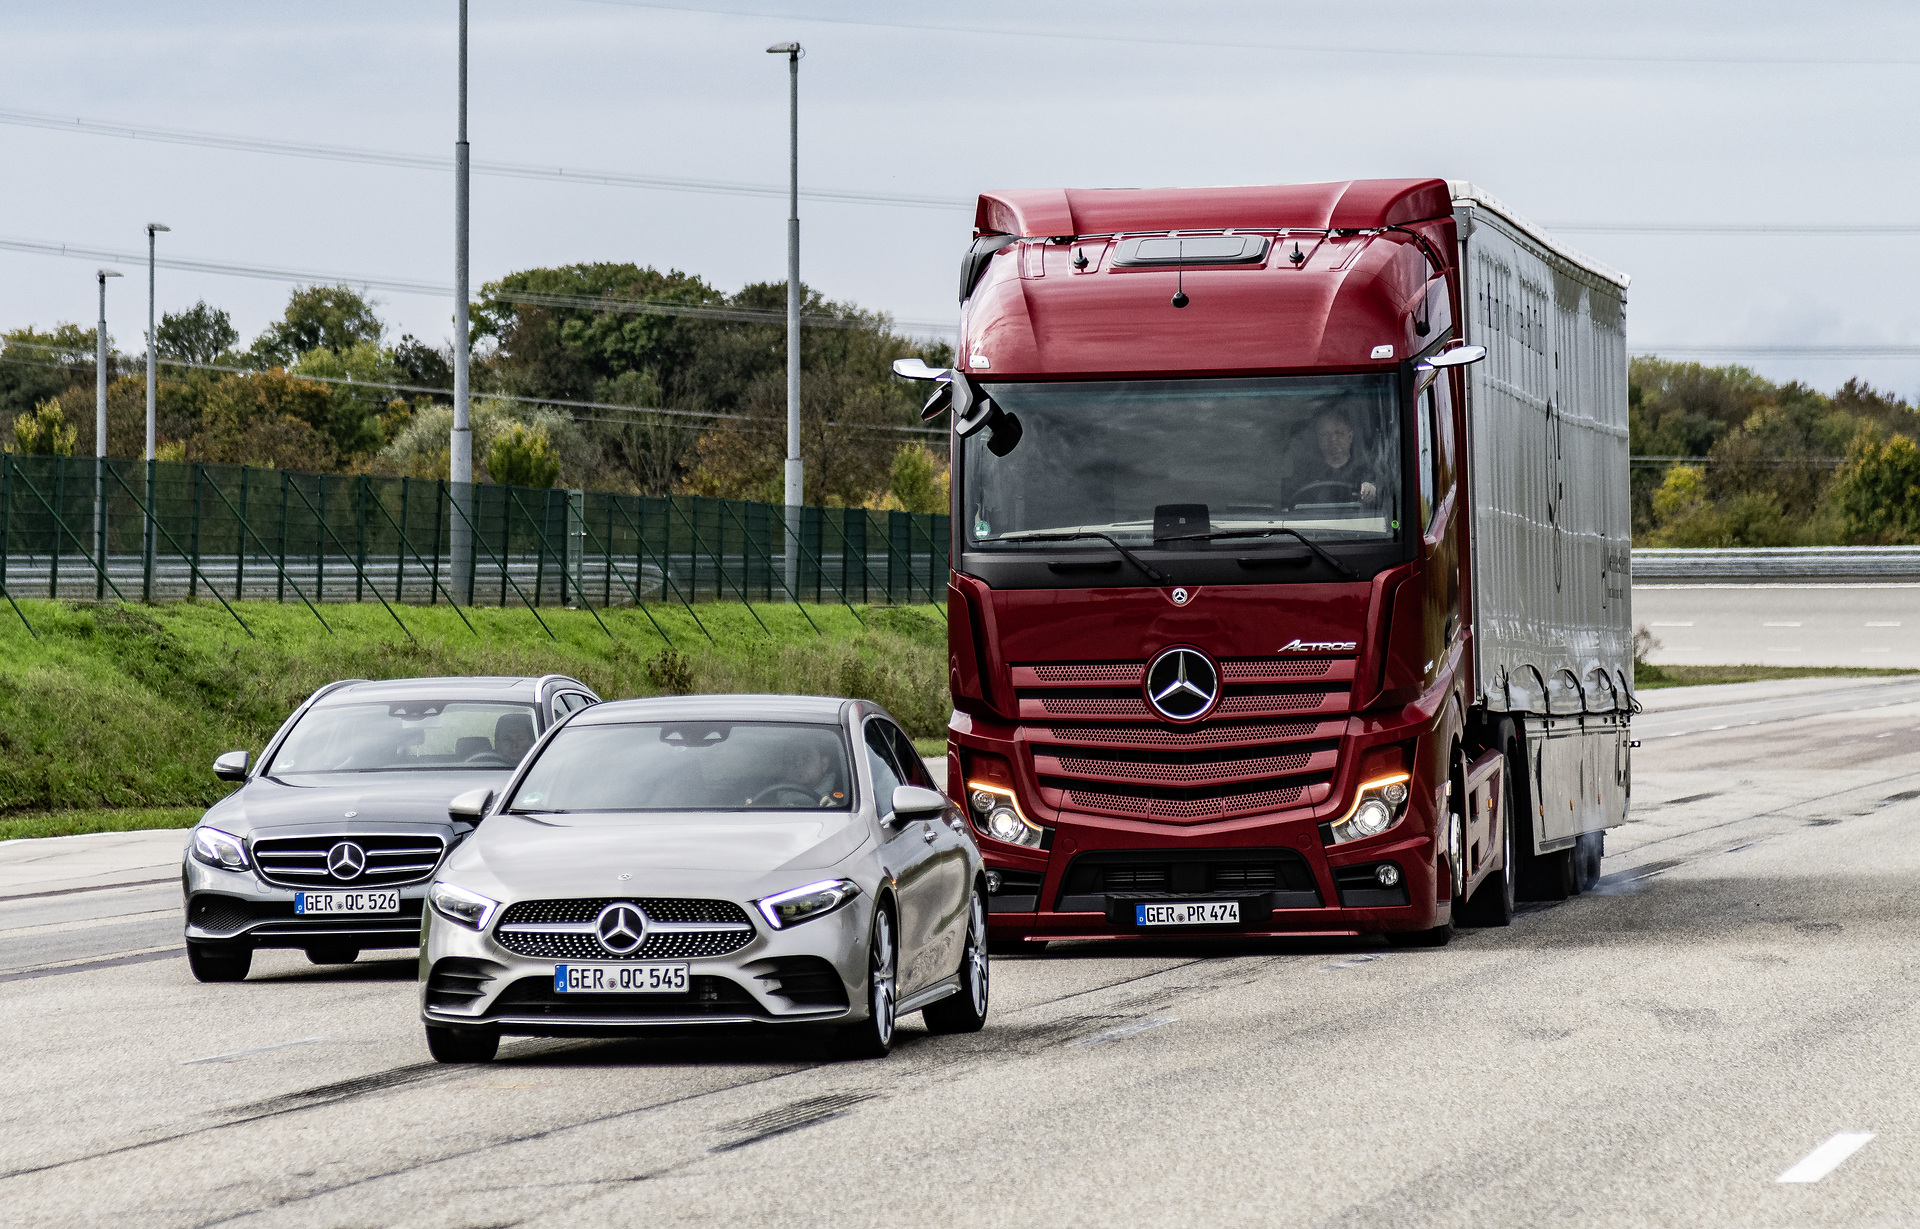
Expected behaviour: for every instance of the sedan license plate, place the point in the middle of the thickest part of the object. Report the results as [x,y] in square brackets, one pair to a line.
[619,979]
[346,902]
[1187,913]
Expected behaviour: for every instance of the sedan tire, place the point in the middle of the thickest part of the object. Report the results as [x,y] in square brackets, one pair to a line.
[966,1012]
[462,1045]
[213,963]
[333,955]
[873,1036]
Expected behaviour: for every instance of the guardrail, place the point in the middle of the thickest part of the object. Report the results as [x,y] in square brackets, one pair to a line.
[77,528]
[1777,565]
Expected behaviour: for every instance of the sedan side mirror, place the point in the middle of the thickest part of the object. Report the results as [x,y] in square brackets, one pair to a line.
[1459,356]
[471,806]
[913,802]
[232,766]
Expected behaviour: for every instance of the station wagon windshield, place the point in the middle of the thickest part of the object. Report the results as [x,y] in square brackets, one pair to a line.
[1316,454]
[689,766]
[407,735]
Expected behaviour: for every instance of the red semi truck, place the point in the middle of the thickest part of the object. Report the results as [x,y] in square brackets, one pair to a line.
[1290,560]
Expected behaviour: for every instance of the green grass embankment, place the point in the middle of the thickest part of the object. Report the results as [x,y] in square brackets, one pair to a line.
[1650,676]
[120,709]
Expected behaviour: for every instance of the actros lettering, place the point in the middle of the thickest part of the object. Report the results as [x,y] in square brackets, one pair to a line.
[1319,646]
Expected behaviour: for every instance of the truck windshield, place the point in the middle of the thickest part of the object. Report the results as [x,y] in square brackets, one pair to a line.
[1316,454]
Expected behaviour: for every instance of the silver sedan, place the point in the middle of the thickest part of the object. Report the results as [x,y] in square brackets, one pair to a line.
[772,860]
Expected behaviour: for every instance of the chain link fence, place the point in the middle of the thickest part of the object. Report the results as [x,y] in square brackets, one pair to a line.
[80,528]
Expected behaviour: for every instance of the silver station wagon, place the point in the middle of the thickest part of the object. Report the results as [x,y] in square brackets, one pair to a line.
[329,842]
[746,860]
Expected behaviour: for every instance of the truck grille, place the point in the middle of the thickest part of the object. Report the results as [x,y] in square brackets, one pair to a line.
[390,858]
[676,929]
[1132,762]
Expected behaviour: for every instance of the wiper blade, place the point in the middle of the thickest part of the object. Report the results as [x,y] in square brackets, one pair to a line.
[1309,543]
[1155,576]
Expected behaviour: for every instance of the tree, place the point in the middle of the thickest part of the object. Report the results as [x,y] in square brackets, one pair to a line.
[419,364]
[522,457]
[333,318]
[266,418]
[41,365]
[363,412]
[44,432]
[918,482]
[1878,488]
[201,334]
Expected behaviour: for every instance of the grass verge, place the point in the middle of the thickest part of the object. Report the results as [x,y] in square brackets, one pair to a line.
[74,823]
[1651,676]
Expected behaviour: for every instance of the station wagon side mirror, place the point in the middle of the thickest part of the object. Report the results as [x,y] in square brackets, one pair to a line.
[232,766]
[1459,356]
[914,802]
[468,808]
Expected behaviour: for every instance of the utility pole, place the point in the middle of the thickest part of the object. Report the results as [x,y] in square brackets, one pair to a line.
[153,344]
[795,492]
[460,446]
[100,441]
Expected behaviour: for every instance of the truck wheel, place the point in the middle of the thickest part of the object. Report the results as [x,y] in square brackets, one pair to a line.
[210,963]
[1537,876]
[1588,850]
[462,1045]
[1492,905]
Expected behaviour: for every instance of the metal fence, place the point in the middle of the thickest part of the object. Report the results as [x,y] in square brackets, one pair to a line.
[1777,565]
[74,527]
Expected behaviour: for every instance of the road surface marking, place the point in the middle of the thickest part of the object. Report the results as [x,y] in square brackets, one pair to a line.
[1827,1157]
[1895,623]
[1125,1030]
[1780,625]
[1673,625]
[278,1045]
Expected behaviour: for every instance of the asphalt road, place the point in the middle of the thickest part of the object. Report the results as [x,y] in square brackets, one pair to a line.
[1861,624]
[1736,1003]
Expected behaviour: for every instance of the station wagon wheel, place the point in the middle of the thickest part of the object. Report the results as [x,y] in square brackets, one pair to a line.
[211,963]
[966,1012]
[873,1037]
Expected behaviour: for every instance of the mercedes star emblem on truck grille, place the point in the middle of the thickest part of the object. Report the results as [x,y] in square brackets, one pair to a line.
[1182,684]
[621,927]
[346,860]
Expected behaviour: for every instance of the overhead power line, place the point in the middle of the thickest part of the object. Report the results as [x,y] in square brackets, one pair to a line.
[1733,228]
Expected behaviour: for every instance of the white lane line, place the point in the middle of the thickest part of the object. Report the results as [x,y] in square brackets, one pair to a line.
[1780,625]
[1895,623]
[1125,1030]
[278,1045]
[1827,1157]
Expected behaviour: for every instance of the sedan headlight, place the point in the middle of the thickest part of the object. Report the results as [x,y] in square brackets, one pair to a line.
[220,849]
[1378,805]
[806,903]
[469,909]
[996,812]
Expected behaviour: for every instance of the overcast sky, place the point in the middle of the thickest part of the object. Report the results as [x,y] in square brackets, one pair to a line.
[1632,112]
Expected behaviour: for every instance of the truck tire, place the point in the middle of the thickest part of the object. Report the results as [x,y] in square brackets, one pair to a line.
[1587,853]
[1547,876]
[1492,905]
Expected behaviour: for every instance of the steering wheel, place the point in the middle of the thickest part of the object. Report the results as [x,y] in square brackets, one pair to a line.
[487,757]
[785,794]
[1343,488]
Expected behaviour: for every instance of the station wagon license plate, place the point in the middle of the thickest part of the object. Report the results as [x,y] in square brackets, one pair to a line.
[619,979]
[305,903]
[1187,913]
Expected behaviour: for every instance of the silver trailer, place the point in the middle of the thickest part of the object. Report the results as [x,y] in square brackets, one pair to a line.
[1551,535]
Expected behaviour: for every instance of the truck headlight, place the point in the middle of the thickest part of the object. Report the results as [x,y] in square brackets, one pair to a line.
[469,909]
[1378,805]
[996,812]
[220,849]
[806,903]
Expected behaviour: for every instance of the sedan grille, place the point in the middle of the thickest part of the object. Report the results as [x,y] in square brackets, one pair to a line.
[388,858]
[676,929]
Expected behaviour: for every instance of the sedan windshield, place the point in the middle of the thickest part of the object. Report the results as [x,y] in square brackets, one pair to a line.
[404,735]
[1147,460]
[689,766]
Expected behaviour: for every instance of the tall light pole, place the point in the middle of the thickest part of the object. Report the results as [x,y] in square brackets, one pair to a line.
[100,441]
[153,344]
[795,492]
[460,444]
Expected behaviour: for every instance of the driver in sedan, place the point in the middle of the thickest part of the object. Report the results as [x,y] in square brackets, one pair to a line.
[1331,465]
[813,767]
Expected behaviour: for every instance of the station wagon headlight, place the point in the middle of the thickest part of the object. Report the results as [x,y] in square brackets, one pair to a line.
[469,909]
[996,812]
[806,903]
[220,849]
[1378,805]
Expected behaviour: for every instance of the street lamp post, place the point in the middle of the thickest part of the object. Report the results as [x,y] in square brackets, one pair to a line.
[460,444]
[100,441]
[794,486]
[153,342]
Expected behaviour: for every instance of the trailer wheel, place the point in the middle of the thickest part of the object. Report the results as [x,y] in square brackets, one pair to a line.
[1588,850]
[1492,905]
[1547,876]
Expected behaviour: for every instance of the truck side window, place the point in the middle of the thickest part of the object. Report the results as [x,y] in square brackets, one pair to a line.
[1428,457]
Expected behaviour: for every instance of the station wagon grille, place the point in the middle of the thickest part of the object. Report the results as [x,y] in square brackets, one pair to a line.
[676,929]
[389,858]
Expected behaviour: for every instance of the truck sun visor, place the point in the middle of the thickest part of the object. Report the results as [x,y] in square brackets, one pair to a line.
[1192,250]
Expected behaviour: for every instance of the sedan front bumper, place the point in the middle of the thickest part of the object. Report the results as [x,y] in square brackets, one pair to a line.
[235,909]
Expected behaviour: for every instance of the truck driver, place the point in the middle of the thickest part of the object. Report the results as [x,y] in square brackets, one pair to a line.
[1329,473]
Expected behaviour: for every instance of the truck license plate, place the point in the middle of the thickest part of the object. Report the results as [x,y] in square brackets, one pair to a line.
[305,903]
[619,979]
[1187,913]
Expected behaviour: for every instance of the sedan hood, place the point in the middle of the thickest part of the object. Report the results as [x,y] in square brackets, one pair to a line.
[386,797]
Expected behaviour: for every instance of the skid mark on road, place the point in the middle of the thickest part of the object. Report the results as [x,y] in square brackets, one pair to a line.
[1124,1030]
[1827,1157]
[795,1116]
